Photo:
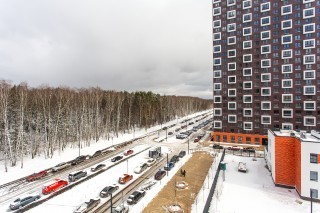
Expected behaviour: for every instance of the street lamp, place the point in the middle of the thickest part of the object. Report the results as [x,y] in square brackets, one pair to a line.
[111,207]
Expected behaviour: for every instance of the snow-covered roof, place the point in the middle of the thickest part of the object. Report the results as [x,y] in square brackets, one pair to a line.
[312,136]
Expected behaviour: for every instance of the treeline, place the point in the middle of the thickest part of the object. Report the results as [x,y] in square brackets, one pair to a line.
[46,120]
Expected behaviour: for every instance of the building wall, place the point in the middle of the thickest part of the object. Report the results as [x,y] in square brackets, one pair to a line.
[228,137]
[271,154]
[298,164]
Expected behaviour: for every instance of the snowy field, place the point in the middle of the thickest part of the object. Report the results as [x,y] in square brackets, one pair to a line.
[254,191]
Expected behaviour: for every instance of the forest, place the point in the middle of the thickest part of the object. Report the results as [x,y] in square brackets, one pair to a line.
[46,120]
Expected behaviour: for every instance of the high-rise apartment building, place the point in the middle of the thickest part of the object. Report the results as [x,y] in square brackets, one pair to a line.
[266,68]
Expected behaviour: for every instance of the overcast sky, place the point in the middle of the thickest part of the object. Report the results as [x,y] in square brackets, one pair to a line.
[162,46]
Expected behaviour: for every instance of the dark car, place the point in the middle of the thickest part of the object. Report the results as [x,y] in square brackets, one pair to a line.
[107,190]
[21,202]
[78,160]
[96,154]
[160,174]
[76,175]
[177,130]
[60,166]
[196,140]
[217,146]
[164,128]
[36,176]
[249,149]
[174,159]
[234,148]
[135,197]
[169,166]
[88,206]
[116,158]
[182,154]
[98,167]
[170,133]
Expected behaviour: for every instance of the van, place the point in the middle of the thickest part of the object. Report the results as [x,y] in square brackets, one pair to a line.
[76,175]
[135,197]
[53,186]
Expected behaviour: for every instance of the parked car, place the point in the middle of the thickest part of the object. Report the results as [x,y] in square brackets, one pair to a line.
[116,158]
[181,136]
[151,161]
[107,190]
[36,176]
[128,152]
[174,159]
[21,202]
[98,167]
[74,176]
[78,160]
[142,167]
[88,206]
[160,174]
[217,146]
[196,140]
[61,166]
[249,149]
[54,186]
[164,128]
[182,154]
[234,148]
[170,133]
[135,197]
[125,178]
[96,154]
[122,208]
[169,166]
[177,130]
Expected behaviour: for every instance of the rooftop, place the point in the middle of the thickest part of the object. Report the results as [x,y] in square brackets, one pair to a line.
[304,136]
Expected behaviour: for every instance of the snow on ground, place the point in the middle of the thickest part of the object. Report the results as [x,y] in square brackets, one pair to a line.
[35,165]
[255,191]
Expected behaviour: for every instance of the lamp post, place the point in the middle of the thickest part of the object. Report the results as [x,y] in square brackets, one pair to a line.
[110,201]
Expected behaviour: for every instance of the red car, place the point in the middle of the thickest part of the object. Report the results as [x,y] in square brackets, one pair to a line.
[196,140]
[54,186]
[128,152]
[36,176]
[125,178]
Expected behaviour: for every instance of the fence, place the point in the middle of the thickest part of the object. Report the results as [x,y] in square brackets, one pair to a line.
[213,186]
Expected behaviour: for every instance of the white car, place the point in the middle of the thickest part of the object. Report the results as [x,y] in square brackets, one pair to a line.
[60,166]
[151,161]
[140,168]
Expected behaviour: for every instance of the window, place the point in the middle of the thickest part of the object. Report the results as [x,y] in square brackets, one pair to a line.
[232,105]
[217,74]
[313,158]
[232,66]
[231,27]
[246,4]
[287,126]
[265,119]
[265,63]
[307,1]
[217,124]
[287,98]
[265,91]
[286,54]
[217,111]
[247,31]
[287,113]
[265,35]
[217,49]
[217,86]
[266,77]
[309,28]
[247,85]
[309,59]
[286,39]
[217,36]
[314,176]
[232,119]
[232,92]
[265,49]
[309,121]
[247,58]
[247,125]
[266,105]
[287,24]
[247,18]
[287,9]
[247,71]
[247,44]
[265,21]
[286,68]
[309,90]
[309,74]
[217,99]
[216,11]
[265,7]
[231,40]
[231,2]
[309,13]
[231,53]
[216,61]
[314,193]
[231,14]
[247,112]
[309,105]
[308,44]
[247,99]
[287,83]
[216,24]
[232,79]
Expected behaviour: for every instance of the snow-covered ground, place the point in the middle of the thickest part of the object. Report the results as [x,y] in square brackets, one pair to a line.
[254,191]
[39,163]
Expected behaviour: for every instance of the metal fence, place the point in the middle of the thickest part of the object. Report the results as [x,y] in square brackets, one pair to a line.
[213,186]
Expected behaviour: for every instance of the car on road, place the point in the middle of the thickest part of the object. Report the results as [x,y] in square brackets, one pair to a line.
[122,208]
[217,146]
[78,160]
[196,140]
[88,206]
[170,133]
[61,166]
[181,136]
[177,130]
[96,154]
[36,176]
[164,128]
[74,176]
[160,174]
[125,178]
[128,152]
[174,159]
[182,154]
[169,166]
[108,190]
[116,158]
[234,148]
[53,186]
[98,167]
[249,149]
[135,197]
[142,167]
[21,202]
[151,161]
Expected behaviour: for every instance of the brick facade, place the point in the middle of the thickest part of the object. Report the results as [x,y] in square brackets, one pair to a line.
[238,138]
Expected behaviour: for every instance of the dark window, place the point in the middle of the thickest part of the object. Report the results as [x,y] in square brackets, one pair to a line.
[313,176]
[313,158]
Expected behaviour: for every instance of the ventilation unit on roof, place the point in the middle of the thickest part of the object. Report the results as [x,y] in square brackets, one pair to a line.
[303,135]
